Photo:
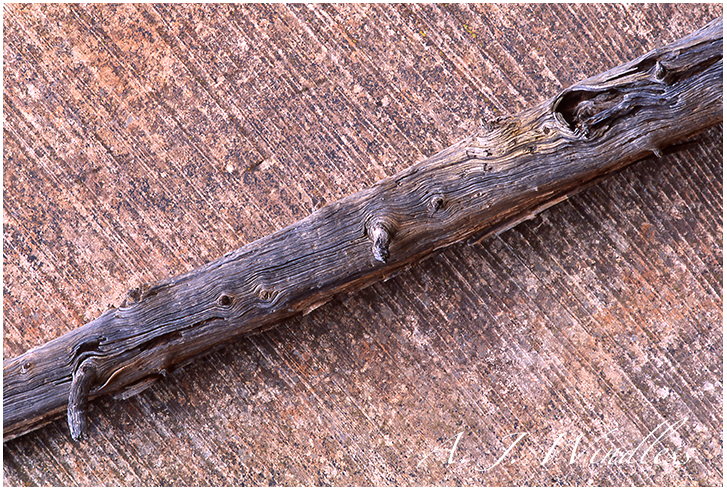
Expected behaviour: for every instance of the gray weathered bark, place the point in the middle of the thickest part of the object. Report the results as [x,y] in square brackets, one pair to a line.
[490,181]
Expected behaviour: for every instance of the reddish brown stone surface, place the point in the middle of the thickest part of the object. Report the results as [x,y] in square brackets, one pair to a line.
[141,141]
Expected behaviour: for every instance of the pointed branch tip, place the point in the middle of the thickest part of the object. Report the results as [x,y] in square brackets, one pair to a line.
[83,379]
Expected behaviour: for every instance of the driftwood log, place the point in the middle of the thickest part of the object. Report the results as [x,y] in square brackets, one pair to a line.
[508,172]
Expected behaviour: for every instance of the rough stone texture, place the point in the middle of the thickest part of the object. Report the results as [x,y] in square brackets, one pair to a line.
[142,141]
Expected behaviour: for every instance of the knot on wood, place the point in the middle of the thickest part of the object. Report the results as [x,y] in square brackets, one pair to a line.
[477,153]
[225,300]
[141,292]
[489,124]
[265,293]
[380,234]
[435,203]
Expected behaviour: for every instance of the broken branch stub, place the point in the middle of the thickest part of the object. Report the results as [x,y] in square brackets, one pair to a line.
[483,184]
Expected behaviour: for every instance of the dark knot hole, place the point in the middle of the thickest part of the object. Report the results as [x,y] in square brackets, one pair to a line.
[225,300]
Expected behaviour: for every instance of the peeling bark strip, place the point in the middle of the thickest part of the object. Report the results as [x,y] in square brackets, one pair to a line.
[482,185]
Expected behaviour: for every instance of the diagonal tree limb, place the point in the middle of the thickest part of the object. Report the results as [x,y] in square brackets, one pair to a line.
[479,186]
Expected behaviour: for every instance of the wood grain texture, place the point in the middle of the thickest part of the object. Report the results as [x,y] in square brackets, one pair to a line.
[608,317]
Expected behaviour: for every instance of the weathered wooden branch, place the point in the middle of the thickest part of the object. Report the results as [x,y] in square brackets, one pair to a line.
[483,184]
